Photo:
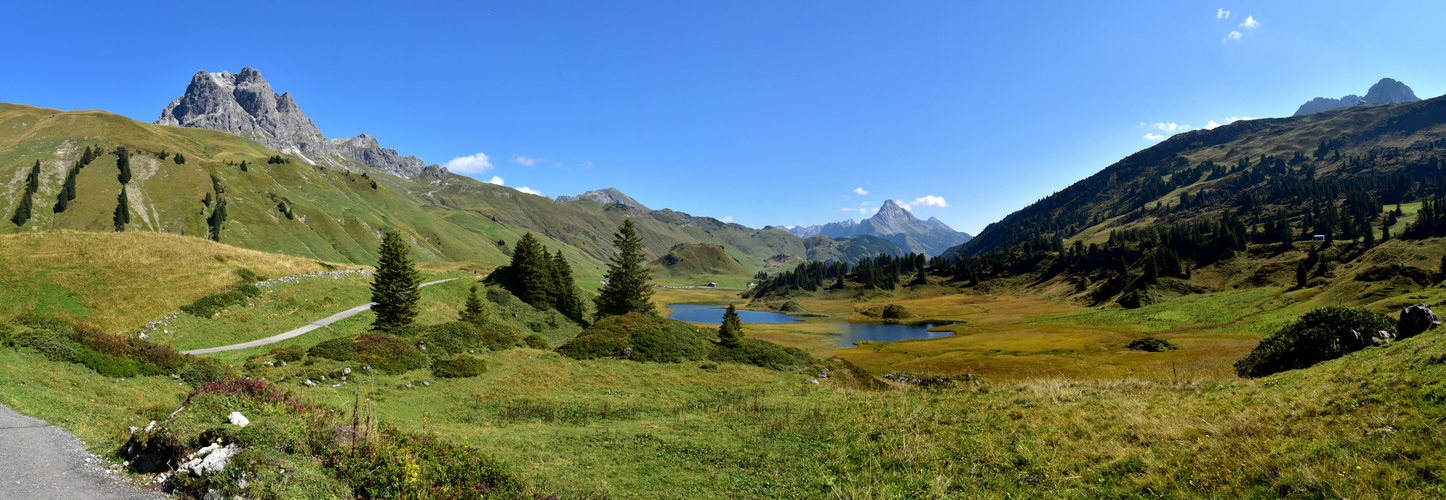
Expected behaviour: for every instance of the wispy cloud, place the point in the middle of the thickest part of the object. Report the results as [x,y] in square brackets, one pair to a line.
[1222,14]
[861,210]
[727,218]
[529,190]
[1212,125]
[860,191]
[1250,23]
[474,164]
[1153,137]
[495,180]
[1166,129]
[925,201]
[1232,36]
[527,160]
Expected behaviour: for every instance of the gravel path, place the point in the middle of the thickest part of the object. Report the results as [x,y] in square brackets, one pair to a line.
[39,461]
[321,323]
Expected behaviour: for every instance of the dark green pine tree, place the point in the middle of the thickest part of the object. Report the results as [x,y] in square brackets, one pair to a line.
[243,165]
[1302,274]
[473,312]
[67,190]
[627,279]
[122,214]
[531,272]
[394,286]
[217,219]
[180,159]
[86,157]
[567,300]
[730,333]
[22,212]
[123,163]
[32,181]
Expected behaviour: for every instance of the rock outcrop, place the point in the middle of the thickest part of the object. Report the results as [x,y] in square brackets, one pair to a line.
[245,104]
[605,197]
[1415,320]
[1386,91]
[892,222]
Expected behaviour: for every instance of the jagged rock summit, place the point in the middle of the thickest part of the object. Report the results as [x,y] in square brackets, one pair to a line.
[244,104]
[1386,91]
[605,197]
[892,222]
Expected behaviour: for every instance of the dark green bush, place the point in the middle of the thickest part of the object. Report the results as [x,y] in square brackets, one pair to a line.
[389,353]
[342,349]
[761,353]
[535,341]
[498,337]
[208,306]
[499,296]
[455,337]
[1322,334]
[289,354]
[110,355]
[108,365]
[207,370]
[459,367]
[1152,344]
[651,338]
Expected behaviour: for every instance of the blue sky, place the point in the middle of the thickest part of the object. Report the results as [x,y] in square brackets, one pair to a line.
[776,113]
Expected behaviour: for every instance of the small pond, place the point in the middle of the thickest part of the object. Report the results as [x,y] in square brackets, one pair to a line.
[852,332]
[695,313]
[883,332]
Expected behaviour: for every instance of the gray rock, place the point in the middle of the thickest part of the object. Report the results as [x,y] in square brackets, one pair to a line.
[309,383]
[1386,91]
[605,197]
[1415,320]
[628,353]
[244,104]
[237,419]
[823,373]
[811,381]
[213,458]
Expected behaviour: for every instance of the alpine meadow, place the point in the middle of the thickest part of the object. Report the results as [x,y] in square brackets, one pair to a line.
[224,302]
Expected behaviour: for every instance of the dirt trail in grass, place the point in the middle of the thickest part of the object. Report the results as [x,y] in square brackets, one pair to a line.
[41,461]
[321,323]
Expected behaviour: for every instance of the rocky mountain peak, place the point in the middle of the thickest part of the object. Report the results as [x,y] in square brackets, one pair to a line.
[605,197]
[894,223]
[1386,91]
[245,104]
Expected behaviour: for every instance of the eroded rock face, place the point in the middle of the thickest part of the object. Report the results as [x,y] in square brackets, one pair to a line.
[1386,91]
[245,104]
[1415,320]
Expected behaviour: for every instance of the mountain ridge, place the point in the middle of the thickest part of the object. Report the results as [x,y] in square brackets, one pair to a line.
[894,223]
[1385,91]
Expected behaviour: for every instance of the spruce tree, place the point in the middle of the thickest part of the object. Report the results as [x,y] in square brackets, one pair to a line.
[1302,274]
[394,286]
[22,212]
[473,312]
[32,181]
[86,157]
[217,219]
[122,214]
[180,159]
[567,301]
[730,333]
[123,163]
[531,272]
[627,279]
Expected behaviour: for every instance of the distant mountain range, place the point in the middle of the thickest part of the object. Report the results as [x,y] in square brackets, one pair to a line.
[1386,91]
[244,104]
[894,223]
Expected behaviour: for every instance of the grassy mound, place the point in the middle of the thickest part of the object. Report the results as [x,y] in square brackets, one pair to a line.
[693,264]
[1152,344]
[106,354]
[1321,334]
[640,337]
[761,353]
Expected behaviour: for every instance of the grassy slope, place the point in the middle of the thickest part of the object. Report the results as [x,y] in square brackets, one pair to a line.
[698,264]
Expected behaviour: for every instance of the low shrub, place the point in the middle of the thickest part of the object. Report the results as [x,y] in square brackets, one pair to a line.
[459,367]
[761,353]
[110,355]
[208,306]
[342,349]
[289,354]
[108,365]
[1322,334]
[403,465]
[499,296]
[535,341]
[651,338]
[207,370]
[389,353]
[1151,344]
[498,337]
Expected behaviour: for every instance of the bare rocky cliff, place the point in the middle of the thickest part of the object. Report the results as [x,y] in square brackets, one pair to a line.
[245,104]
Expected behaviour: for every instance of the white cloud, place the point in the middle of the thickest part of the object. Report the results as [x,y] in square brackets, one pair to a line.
[1212,125]
[526,160]
[1154,137]
[474,164]
[727,218]
[495,180]
[1170,127]
[529,190]
[1232,36]
[930,201]
[861,210]
[860,191]
[1250,23]
[1222,14]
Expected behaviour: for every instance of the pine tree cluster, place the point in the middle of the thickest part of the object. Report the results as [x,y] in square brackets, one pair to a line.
[541,279]
[32,183]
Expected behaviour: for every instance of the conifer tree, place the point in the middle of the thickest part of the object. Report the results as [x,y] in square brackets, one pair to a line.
[123,163]
[529,275]
[86,157]
[627,279]
[395,285]
[217,219]
[566,301]
[180,159]
[22,212]
[1302,274]
[122,214]
[730,333]
[473,312]
[32,181]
